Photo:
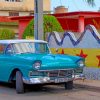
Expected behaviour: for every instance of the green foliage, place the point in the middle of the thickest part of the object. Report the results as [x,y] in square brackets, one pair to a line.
[29,31]
[6,34]
[50,24]
[90,2]
[9,23]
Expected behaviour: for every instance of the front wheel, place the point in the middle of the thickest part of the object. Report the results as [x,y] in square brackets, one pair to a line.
[19,83]
[69,85]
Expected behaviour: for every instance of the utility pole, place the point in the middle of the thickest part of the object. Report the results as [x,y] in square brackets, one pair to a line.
[38,19]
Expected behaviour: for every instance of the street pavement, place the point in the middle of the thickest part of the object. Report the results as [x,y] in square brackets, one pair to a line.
[90,84]
[81,91]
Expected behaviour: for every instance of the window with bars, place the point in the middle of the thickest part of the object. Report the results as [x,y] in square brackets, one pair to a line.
[13,13]
[14,0]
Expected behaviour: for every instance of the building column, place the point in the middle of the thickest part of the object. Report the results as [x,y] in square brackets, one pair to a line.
[81,24]
[38,19]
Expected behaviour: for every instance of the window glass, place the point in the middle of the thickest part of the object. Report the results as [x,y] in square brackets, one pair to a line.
[30,47]
[41,48]
[13,13]
[9,49]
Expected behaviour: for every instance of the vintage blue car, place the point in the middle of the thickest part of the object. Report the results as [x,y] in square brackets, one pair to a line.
[31,62]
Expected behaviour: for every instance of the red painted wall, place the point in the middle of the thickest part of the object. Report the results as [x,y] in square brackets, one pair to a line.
[93,21]
[69,21]
[22,25]
[69,24]
[72,24]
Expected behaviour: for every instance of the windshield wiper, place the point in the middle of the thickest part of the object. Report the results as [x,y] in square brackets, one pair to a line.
[23,52]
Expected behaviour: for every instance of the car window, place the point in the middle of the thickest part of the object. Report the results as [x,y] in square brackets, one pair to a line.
[9,49]
[23,48]
[41,48]
[2,48]
[30,47]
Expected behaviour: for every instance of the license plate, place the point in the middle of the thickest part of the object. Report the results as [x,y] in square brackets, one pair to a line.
[59,80]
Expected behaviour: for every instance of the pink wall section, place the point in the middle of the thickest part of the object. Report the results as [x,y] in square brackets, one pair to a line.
[81,24]
[22,25]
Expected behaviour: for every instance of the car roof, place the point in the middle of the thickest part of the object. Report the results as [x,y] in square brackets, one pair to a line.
[20,41]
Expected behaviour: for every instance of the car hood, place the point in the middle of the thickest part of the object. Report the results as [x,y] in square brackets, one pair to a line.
[52,61]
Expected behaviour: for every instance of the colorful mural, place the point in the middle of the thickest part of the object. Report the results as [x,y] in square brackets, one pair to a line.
[86,45]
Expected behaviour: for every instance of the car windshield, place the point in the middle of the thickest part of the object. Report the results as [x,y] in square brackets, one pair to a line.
[29,47]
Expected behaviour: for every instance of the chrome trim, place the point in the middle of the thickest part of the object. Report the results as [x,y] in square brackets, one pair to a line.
[54,70]
[53,73]
[54,76]
[79,76]
[44,80]
[60,73]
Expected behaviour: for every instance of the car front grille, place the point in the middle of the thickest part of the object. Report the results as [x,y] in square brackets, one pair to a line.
[52,73]
[60,73]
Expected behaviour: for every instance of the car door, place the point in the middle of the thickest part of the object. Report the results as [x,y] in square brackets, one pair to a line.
[4,66]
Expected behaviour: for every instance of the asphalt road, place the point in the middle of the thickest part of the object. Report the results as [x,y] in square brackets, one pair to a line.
[48,93]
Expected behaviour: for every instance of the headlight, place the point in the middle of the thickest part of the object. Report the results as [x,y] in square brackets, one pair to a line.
[81,63]
[37,65]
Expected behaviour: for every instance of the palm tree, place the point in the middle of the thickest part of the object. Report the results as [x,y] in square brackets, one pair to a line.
[90,2]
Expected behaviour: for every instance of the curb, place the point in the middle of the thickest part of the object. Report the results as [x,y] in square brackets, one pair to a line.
[86,86]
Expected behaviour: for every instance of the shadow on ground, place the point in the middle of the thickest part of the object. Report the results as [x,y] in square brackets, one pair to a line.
[37,90]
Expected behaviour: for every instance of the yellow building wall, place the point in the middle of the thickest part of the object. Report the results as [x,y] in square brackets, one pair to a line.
[25,5]
[4,13]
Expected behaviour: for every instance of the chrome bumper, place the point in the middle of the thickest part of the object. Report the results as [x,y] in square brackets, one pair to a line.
[56,76]
[44,80]
[78,77]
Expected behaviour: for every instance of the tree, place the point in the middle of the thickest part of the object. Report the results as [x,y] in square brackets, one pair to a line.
[6,34]
[90,2]
[50,24]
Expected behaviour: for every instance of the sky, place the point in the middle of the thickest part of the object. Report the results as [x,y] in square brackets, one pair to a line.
[75,5]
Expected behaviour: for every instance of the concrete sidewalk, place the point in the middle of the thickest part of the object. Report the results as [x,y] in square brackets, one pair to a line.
[89,84]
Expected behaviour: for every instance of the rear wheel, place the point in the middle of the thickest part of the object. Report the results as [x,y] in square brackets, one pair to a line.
[19,83]
[69,85]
